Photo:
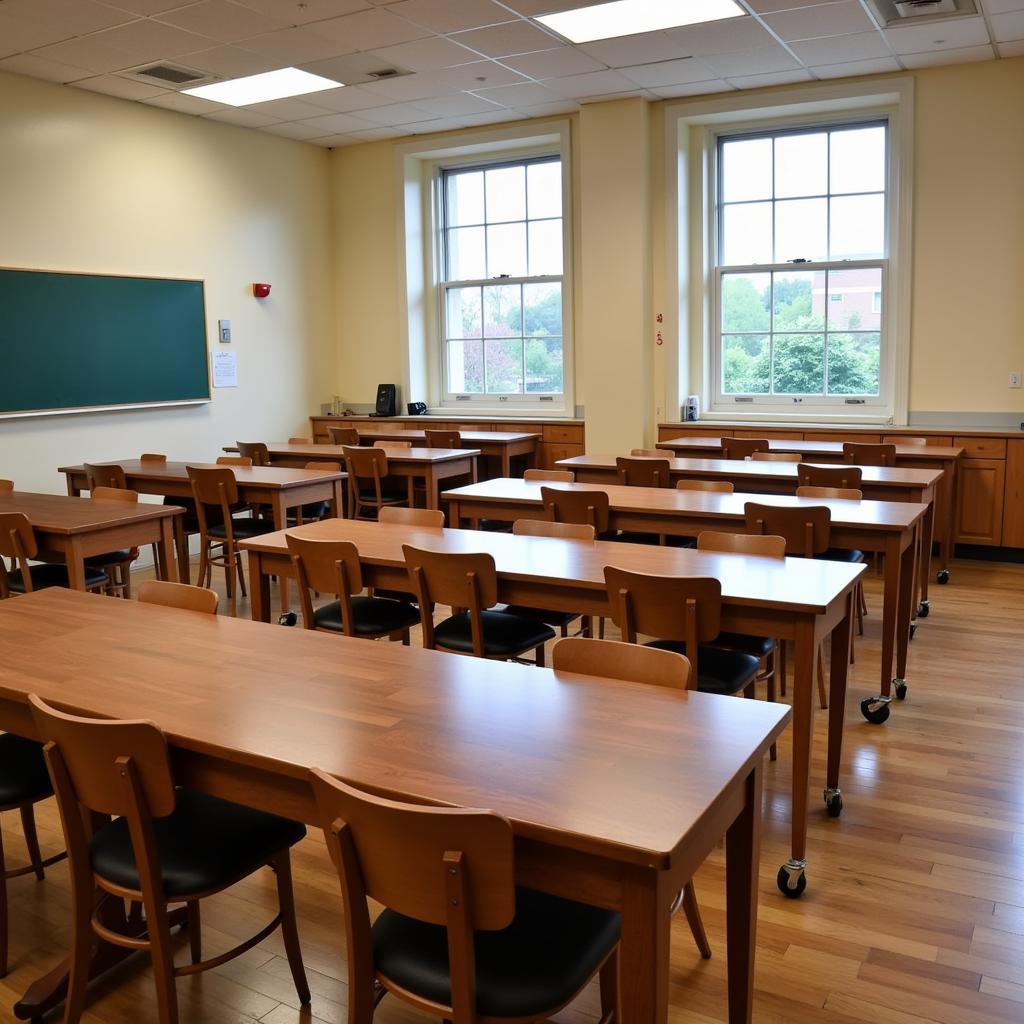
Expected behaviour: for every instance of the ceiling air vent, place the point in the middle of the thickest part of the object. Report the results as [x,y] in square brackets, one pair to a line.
[380,76]
[893,13]
[166,74]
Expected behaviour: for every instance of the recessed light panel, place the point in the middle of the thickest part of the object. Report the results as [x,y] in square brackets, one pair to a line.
[272,85]
[631,17]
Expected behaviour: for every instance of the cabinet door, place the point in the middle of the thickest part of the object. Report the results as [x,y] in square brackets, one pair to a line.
[552,453]
[1013,508]
[980,515]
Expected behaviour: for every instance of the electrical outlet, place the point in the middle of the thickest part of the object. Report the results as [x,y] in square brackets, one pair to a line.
[1015,379]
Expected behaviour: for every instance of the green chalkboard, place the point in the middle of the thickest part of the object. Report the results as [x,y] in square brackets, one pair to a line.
[80,341]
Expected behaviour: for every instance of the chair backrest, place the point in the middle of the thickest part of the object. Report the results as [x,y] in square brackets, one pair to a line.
[590,507]
[447,866]
[18,543]
[178,595]
[742,447]
[443,438]
[869,454]
[153,458]
[344,435]
[775,457]
[115,494]
[559,476]
[398,514]
[651,453]
[300,440]
[369,464]
[255,450]
[717,486]
[328,567]
[393,445]
[326,467]
[762,545]
[6,486]
[104,476]
[213,488]
[642,472]
[828,476]
[234,460]
[805,529]
[92,755]
[850,493]
[547,528]
[610,659]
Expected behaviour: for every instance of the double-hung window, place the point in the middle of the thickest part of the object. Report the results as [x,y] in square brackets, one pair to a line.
[502,303]
[800,269]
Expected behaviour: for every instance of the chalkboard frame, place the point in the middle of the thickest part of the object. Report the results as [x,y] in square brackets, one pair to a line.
[204,399]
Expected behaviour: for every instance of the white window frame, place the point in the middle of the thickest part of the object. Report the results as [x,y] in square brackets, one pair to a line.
[692,132]
[420,229]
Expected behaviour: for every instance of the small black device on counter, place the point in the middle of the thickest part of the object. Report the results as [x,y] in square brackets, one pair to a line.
[417,408]
[386,397]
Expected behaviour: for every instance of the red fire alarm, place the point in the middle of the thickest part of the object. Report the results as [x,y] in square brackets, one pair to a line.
[261,291]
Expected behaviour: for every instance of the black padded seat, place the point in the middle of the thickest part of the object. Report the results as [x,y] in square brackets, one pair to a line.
[244,528]
[721,671]
[557,619]
[372,616]
[314,510]
[23,775]
[494,525]
[504,635]
[190,520]
[386,494]
[842,555]
[110,556]
[53,574]
[536,964]
[204,844]
[757,646]
[396,595]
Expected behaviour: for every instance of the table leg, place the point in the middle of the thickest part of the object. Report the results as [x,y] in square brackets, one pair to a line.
[76,564]
[181,551]
[903,616]
[506,461]
[430,489]
[890,610]
[644,946]
[925,567]
[259,589]
[742,855]
[946,547]
[839,671]
[337,501]
[280,523]
[454,518]
[164,550]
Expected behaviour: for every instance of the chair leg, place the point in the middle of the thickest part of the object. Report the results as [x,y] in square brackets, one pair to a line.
[773,667]
[81,953]
[540,656]
[289,928]
[195,931]
[237,555]
[126,580]
[822,692]
[3,911]
[204,561]
[782,668]
[163,963]
[28,826]
[692,910]
[609,981]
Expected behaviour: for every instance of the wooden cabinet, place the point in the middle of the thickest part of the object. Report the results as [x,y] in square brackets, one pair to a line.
[980,511]
[1013,501]
[550,454]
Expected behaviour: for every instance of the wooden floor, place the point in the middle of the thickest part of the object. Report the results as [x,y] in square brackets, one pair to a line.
[915,910]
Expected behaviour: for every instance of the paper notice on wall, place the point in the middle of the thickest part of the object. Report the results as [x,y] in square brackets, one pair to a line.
[225,369]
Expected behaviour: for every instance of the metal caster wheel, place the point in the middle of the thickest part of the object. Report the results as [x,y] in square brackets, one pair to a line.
[901,689]
[288,619]
[923,610]
[791,879]
[943,576]
[833,802]
[913,630]
[875,709]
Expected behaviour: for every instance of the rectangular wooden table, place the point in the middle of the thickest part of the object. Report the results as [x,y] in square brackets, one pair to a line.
[889,528]
[883,484]
[946,457]
[616,791]
[501,445]
[72,529]
[795,599]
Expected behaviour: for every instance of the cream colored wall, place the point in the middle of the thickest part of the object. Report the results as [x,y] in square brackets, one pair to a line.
[95,184]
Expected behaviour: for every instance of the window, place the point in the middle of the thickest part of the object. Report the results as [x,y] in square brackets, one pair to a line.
[502,257]
[800,266]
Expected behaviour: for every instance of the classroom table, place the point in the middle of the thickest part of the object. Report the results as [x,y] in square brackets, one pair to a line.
[802,600]
[496,444]
[887,527]
[947,457]
[277,487]
[428,466]
[879,482]
[616,791]
[71,529]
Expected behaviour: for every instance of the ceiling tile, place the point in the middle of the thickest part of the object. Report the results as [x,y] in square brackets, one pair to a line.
[881,65]
[644,48]
[450,15]
[292,130]
[776,78]
[77,16]
[397,113]
[821,20]
[147,7]
[1015,49]
[352,97]
[299,12]
[1008,26]
[335,141]
[594,84]
[502,116]
[966,55]
[48,70]
[223,21]
[460,104]
[771,6]
[292,46]
[481,74]
[369,30]
[336,124]
[17,35]
[728,36]
[150,40]
[427,54]
[1002,6]
[948,35]
[670,72]
[183,104]
[123,88]
[242,117]
[840,49]
[287,110]
[716,85]
[551,109]
[88,52]
[529,94]
[557,63]
[438,124]
[507,40]
[376,134]
[763,61]
[531,7]
[229,62]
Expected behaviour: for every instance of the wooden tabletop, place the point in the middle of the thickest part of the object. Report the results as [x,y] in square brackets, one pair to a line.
[57,513]
[880,515]
[898,476]
[619,769]
[470,436]
[797,584]
[270,477]
[812,447]
[336,452]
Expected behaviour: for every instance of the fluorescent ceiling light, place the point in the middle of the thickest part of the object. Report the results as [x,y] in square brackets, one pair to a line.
[272,85]
[631,17]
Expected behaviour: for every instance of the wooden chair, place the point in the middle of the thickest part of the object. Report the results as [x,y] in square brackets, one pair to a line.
[776,457]
[104,476]
[650,453]
[314,510]
[426,518]
[458,939]
[189,522]
[369,486]
[215,491]
[393,445]
[642,472]
[591,508]
[116,564]
[300,440]
[154,458]
[869,454]
[716,486]
[684,614]
[234,460]
[255,450]
[849,493]
[178,595]
[609,659]
[470,581]
[828,476]
[18,543]
[742,447]
[348,436]
[164,846]
[24,782]
[6,486]
[561,476]
[443,438]
[332,567]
